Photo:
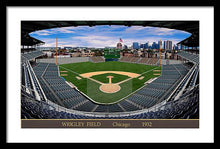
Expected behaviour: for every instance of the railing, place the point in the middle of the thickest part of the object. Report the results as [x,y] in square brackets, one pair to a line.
[39,93]
[30,98]
[180,83]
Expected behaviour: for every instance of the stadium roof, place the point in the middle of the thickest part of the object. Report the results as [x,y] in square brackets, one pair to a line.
[188,26]
[192,41]
[27,40]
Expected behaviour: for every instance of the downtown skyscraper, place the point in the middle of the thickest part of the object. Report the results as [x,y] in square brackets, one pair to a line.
[168,45]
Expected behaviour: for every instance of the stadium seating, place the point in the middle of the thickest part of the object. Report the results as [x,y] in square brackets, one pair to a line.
[96,59]
[189,56]
[62,94]
[43,80]
[186,107]
[145,60]
[30,55]
[65,60]
[56,89]
[154,92]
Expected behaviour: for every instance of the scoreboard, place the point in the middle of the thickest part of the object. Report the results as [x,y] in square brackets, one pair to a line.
[111,53]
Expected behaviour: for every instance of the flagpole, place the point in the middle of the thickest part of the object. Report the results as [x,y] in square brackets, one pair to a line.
[160,54]
[56,50]
[120,40]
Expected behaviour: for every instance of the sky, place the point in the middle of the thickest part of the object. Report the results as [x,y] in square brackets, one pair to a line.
[106,36]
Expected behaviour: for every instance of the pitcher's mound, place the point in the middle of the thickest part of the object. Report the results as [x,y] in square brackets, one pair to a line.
[109,88]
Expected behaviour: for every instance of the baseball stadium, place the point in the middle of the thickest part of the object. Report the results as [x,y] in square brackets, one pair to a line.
[112,86]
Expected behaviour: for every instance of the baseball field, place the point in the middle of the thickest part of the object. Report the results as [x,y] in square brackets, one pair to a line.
[108,82]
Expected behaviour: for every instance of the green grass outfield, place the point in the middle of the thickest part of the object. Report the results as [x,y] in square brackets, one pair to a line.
[75,69]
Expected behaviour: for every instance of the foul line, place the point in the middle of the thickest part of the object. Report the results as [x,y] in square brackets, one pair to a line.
[123,81]
[96,81]
[69,70]
[149,70]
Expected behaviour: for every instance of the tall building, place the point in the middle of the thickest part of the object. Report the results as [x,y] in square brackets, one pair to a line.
[154,45]
[142,46]
[159,44]
[168,45]
[135,45]
[146,45]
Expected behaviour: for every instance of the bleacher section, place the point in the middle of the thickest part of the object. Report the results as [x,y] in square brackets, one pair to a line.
[144,60]
[65,60]
[96,59]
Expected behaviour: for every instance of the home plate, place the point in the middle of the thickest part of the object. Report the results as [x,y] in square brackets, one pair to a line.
[109,88]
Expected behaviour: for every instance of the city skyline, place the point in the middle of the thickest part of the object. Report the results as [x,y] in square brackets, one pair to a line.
[107,36]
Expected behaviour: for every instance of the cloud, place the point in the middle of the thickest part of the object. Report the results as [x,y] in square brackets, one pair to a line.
[102,36]
[42,33]
[134,29]
[64,30]
[49,42]
[54,31]
[163,31]
[101,41]
[96,40]
[155,31]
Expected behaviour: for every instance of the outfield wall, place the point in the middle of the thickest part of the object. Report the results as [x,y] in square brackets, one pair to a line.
[65,60]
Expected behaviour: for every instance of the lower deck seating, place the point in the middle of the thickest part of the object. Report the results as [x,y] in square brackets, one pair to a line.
[59,92]
[187,107]
[56,88]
